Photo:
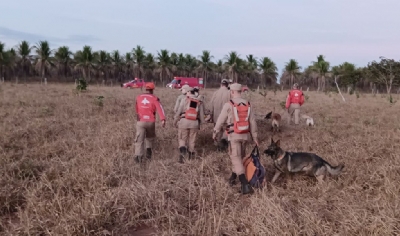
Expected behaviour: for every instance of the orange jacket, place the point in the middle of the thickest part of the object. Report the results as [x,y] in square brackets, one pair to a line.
[294,96]
[146,107]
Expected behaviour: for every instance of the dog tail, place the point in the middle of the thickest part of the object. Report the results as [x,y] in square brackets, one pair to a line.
[334,170]
[305,116]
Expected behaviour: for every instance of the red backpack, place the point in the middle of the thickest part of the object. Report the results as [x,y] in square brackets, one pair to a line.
[192,109]
[241,114]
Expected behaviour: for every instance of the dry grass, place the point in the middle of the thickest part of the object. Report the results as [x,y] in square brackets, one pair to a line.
[67,169]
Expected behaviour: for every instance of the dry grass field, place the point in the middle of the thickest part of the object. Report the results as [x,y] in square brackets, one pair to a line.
[67,168]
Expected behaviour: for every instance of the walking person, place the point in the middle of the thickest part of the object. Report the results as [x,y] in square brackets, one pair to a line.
[218,99]
[242,127]
[294,101]
[188,118]
[147,105]
[180,97]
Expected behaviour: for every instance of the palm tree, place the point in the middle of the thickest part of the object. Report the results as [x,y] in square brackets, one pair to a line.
[2,58]
[322,68]
[181,67]
[205,64]
[24,51]
[164,64]
[85,60]
[117,63]
[233,65]
[139,58]
[190,64]
[103,63]
[45,59]
[149,65]
[10,58]
[269,70]
[251,67]
[293,69]
[63,56]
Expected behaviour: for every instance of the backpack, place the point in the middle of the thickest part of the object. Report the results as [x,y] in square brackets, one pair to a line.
[241,114]
[192,108]
[254,170]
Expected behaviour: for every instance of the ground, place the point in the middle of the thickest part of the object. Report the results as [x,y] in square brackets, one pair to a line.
[66,164]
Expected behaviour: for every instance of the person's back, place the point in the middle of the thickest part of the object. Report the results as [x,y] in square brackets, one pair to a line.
[187,123]
[146,106]
[219,98]
[294,101]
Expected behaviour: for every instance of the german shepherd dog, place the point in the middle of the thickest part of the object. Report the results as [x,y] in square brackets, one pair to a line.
[276,120]
[292,162]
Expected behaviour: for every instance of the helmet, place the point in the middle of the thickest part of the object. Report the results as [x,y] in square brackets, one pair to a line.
[149,86]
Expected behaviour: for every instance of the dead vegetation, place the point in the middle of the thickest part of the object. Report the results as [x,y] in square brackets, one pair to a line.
[67,169]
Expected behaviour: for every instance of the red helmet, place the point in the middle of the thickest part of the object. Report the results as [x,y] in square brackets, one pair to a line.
[149,86]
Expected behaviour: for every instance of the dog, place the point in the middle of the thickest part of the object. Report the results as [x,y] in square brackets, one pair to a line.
[297,162]
[309,120]
[276,120]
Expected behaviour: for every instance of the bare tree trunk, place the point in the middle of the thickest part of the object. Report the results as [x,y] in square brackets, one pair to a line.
[344,100]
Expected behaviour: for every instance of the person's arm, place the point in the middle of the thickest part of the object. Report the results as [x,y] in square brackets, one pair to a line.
[201,113]
[222,118]
[287,101]
[177,103]
[178,111]
[253,127]
[136,110]
[302,99]
[160,110]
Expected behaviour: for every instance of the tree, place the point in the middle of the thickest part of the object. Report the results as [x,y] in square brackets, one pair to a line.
[24,51]
[293,69]
[85,60]
[386,72]
[348,75]
[205,64]
[139,58]
[2,58]
[322,68]
[63,56]
[233,65]
[45,59]
[269,70]
[164,64]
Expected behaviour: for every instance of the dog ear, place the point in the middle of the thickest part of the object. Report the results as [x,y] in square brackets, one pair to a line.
[278,143]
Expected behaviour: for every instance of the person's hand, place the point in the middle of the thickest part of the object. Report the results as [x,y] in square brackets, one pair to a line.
[256,142]
[214,136]
[163,123]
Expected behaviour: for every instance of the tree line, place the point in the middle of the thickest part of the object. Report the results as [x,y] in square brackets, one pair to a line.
[26,61]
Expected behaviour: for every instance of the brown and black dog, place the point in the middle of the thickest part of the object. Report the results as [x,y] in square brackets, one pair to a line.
[276,120]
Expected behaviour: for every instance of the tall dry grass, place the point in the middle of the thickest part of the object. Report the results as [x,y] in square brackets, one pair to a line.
[67,168]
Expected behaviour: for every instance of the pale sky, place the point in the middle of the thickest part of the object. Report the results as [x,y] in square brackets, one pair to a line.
[356,31]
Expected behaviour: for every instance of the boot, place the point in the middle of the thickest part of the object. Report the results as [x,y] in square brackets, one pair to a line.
[182,155]
[138,159]
[148,153]
[191,155]
[232,179]
[246,187]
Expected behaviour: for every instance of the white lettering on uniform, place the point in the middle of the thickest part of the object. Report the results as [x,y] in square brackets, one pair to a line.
[146,117]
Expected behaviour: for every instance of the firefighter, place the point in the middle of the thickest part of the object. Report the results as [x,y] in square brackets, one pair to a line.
[188,119]
[147,105]
[218,99]
[180,97]
[294,101]
[241,128]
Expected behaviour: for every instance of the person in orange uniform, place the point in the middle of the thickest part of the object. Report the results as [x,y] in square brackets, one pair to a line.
[294,101]
[147,105]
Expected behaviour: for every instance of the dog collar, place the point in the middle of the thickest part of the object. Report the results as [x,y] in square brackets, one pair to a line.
[280,158]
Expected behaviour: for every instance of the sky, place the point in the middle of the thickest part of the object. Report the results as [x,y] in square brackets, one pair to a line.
[357,31]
